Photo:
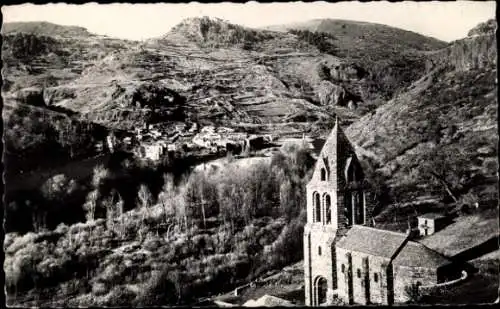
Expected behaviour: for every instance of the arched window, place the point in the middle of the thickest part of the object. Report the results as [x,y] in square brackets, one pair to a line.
[328,209]
[375,277]
[317,207]
[319,250]
[358,273]
[359,207]
[349,170]
[343,268]
[323,174]
[348,208]
[352,170]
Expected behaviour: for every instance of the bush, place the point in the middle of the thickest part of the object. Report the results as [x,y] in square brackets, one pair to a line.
[120,296]
[413,293]
[467,203]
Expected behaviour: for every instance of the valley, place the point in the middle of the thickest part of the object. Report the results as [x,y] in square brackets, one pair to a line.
[173,170]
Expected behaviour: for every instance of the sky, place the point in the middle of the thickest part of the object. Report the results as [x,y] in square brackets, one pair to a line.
[446,21]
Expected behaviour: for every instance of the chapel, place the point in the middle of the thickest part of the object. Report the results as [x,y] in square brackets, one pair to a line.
[343,255]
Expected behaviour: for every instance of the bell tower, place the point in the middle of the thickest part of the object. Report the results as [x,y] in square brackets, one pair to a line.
[335,201]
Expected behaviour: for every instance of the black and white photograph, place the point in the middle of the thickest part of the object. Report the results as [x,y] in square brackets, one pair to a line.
[252,154]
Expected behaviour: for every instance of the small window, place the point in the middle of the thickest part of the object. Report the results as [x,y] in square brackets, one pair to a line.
[375,277]
[343,268]
[319,250]
[425,222]
[358,272]
[323,174]
[317,205]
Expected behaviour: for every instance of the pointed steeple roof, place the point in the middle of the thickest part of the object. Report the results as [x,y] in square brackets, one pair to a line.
[336,142]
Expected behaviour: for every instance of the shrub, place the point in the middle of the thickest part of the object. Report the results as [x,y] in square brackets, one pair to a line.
[120,296]
[467,203]
[412,293]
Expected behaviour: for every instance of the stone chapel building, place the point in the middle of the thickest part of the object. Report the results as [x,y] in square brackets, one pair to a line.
[342,254]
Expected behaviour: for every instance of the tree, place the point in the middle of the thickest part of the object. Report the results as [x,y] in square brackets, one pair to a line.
[144,197]
[100,174]
[58,187]
[179,203]
[113,204]
[377,184]
[167,196]
[446,166]
[160,291]
[144,201]
[91,204]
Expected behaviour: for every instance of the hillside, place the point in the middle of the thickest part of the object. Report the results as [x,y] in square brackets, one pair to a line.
[44,28]
[357,38]
[35,131]
[224,73]
[45,55]
[393,57]
[442,130]
[170,251]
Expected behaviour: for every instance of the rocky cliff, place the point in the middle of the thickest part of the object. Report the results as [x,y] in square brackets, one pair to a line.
[478,50]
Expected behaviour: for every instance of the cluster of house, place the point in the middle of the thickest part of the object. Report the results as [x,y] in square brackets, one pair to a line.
[153,142]
[227,139]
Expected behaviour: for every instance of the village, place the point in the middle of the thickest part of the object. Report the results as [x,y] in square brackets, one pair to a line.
[343,157]
[153,142]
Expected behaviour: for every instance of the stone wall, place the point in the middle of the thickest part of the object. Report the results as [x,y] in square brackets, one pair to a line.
[370,287]
[307,266]
[319,251]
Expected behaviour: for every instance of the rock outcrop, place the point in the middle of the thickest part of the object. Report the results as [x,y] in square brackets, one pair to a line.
[488,27]
[474,52]
[215,32]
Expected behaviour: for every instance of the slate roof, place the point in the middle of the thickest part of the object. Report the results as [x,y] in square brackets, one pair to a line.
[385,243]
[335,139]
[417,255]
[372,241]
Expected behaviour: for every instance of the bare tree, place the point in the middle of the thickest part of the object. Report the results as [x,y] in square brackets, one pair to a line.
[167,196]
[445,165]
[144,202]
[91,204]
[114,207]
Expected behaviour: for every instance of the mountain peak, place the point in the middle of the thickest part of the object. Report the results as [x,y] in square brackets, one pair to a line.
[194,25]
[215,32]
